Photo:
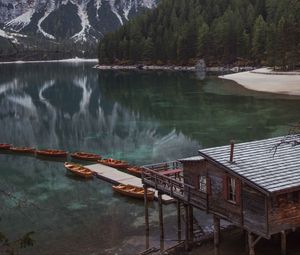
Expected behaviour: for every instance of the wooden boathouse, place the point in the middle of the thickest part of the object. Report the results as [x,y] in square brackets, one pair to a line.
[247,184]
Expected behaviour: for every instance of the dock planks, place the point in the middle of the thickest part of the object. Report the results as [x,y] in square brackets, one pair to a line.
[116,176]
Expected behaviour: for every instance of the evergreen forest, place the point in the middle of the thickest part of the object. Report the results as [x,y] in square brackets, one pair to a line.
[222,32]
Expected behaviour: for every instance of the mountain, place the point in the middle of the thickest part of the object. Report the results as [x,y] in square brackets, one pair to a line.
[61,23]
[223,32]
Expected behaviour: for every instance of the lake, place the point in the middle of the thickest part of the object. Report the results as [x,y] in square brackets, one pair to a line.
[139,116]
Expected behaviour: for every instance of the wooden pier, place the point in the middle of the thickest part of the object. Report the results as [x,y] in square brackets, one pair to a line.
[116,176]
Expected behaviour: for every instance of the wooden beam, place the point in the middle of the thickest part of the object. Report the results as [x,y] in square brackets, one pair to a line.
[216,231]
[161,216]
[178,220]
[191,223]
[250,244]
[186,243]
[283,242]
[146,208]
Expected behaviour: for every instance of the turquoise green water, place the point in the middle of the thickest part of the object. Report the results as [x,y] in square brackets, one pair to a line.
[142,117]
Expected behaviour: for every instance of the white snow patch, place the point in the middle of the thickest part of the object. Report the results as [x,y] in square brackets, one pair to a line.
[98,4]
[11,36]
[115,11]
[85,23]
[47,13]
[70,60]
[21,21]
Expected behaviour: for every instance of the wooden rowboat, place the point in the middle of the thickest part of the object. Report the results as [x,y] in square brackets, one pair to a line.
[52,153]
[79,170]
[86,156]
[133,191]
[5,146]
[114,163]
[136,170]
[22,149]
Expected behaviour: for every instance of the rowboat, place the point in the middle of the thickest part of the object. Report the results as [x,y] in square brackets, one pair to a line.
[22,149]
[86,156]
[79,170]
[5,146]
[52,153]
[114,163]
[133,191]
[136,170]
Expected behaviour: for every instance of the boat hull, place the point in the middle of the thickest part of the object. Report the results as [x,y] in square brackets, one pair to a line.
[85,156]
[114,163]
[52,153]
[22,150]
[132,191]
[79,170]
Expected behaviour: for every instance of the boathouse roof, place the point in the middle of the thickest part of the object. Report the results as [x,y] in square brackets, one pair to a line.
[257,163]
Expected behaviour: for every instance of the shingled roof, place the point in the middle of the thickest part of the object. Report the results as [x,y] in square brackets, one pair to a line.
[256,163]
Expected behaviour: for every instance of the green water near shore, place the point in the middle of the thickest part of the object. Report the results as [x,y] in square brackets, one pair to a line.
[142,117]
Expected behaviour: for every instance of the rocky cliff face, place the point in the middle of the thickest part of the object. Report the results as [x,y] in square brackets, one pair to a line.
[65,21]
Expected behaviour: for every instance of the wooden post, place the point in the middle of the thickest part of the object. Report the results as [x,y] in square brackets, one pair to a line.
[146,208]
[251,244]
[283,242]
[178,220]
[186,243]
[191,224]
[161,217]
[216,231]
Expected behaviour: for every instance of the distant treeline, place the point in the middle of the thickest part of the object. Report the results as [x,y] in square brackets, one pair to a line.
[220,31]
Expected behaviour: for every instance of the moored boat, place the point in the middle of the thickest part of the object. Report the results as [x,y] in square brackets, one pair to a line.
[136,170]
[114,163]
[5,146]
[79,170]
[22,149]
[133,191]
[52,153]
[86,156]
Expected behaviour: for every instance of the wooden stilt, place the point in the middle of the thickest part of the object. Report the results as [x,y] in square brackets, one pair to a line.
[178,220]
[251,244]
[186,243]
[146,208]
[216,231]
[191,224]
[283,242]
[161,217]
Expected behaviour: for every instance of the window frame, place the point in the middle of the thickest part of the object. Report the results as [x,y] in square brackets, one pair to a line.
[202,183]
[232,190]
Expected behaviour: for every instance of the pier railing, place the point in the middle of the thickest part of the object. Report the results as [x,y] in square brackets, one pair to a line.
[171,185]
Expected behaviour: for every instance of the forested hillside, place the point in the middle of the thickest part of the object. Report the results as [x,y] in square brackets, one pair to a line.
[220,31]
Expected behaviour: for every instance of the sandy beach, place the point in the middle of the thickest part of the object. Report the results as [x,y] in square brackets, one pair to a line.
[265,80]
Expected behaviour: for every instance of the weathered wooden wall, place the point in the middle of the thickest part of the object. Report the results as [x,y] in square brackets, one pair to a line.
[254,210]
[249,211]
[284,213]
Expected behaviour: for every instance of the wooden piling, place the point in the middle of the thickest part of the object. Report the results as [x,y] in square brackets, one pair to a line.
[161,217]
[146,208]
[186,243]
[216,231]
[178,220]
[283,242]
[251,244]
[191,223]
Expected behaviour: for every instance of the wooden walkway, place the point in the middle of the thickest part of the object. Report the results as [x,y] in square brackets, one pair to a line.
[116,176]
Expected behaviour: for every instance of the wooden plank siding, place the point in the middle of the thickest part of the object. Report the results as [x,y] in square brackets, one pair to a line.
[284,212]
[248,211]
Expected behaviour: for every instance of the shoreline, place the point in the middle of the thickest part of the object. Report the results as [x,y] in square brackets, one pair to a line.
[67,60]
[266,80]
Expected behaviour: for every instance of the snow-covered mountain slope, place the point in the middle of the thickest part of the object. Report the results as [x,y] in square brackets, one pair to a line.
[77,20]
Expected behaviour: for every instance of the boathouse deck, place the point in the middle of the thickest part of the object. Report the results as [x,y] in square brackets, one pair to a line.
[115,176]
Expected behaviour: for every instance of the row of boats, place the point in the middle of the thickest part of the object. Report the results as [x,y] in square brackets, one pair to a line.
[84,172]
[127,190]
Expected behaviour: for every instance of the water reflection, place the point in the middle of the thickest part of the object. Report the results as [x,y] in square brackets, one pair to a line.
[65,107]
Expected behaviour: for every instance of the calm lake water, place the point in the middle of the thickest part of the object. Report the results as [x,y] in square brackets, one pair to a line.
[142,117]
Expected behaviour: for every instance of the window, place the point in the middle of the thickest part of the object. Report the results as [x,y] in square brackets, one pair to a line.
[202,183]
[231,189]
